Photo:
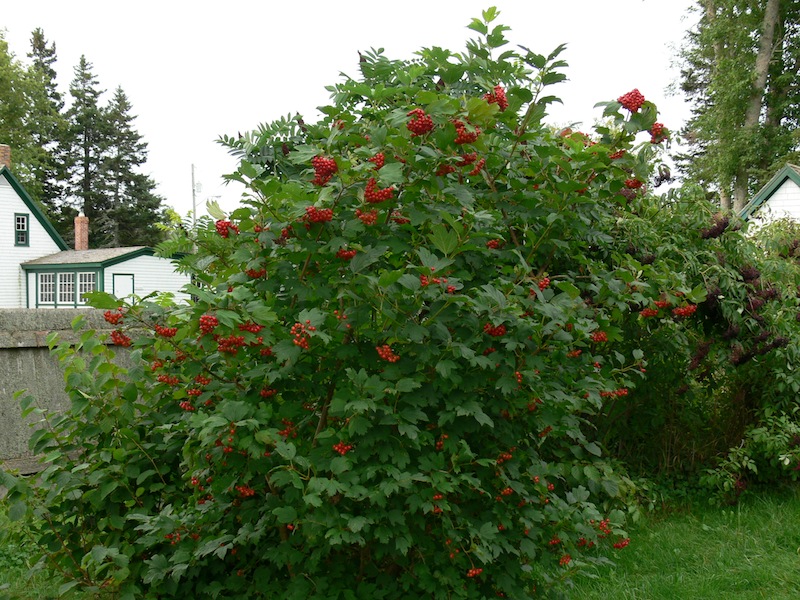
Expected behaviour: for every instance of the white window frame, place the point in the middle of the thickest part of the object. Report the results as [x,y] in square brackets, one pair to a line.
[46,284]
[87,282]
[66,288]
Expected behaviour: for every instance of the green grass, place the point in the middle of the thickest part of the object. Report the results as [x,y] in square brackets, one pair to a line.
[15,562]
[742,552]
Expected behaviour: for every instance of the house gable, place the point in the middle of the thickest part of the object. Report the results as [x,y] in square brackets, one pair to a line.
[782,193]
[28,206]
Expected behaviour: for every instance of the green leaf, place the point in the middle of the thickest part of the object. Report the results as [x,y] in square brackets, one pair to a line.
[17,511]
[102,300]
[568,288]
[236,410]
[285,514]
[445,240]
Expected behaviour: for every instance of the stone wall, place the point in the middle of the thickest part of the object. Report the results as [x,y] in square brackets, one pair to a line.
[26,364]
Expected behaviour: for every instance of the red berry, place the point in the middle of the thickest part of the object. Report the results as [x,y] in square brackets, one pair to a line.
[633,100]
[420,123]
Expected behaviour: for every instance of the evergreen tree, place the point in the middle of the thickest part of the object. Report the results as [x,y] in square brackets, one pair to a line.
[48,126]
[135,208]
[739,70]
[86,141]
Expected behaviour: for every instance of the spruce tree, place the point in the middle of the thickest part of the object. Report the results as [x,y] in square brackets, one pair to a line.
[86,141]
[135,208]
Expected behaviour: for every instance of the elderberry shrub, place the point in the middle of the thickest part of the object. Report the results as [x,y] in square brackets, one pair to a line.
[394,407]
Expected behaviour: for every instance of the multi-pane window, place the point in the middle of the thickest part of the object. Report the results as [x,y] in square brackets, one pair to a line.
[86,283]
[66,288]
[21,233]
[47,287]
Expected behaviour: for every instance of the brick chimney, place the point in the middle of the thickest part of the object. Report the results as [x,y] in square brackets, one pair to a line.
[5,156]
[81,232]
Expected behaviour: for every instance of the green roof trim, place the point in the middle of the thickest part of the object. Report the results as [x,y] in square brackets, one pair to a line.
[35,210]
[90,264]
[789,171]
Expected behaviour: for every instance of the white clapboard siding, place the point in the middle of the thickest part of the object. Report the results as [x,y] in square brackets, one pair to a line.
[150,274]
[12,277]
[783,203]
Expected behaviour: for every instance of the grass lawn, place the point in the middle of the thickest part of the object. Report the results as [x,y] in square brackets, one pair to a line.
[742,552]
[702,552]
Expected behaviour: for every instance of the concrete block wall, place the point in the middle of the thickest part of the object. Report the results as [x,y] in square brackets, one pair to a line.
[26,364]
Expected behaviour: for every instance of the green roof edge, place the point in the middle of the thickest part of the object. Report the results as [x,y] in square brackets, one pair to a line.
[35,210]
[102,264]
[765,193]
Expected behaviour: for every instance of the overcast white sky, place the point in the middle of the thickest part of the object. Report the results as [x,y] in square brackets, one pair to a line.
[196,70]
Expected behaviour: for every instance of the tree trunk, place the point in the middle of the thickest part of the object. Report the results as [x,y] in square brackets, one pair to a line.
[766,48]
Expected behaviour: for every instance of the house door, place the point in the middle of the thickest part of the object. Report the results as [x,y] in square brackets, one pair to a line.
[122,284]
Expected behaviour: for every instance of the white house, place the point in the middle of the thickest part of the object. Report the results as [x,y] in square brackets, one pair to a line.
[778,199]
[40,271]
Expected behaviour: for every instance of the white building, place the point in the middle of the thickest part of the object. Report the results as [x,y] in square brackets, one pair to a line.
[38,270]
[778,199]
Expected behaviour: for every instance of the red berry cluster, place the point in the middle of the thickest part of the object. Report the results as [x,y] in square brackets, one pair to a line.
[425,281]
[120,339]
[256,273]
[318,215]
[194,392]
[465,135]
[420,123]
[604,527]
[478,166]
[498,331]
[367,218]
[615,393]
[544,433]
[166,332]
[504,457]
[187,405]
[290,429]
[497,96]
[619,545]
[378,160]
[386,353]
[245,491]
[617,154]
[373,195]
[251,327]
[633,184]
[544,283]
[574,353]
[599,337]
[554,541]
[684,311]
[633,100]
[324,168]
[565,560]
[467,159]
[474,572]
[663,303]
[658,133]
[649,312]
[113,317]
[398,218]
[208,323]
[301,335]
[168,379]
[440,441]
[230,344]
[225,227]
[267,392]
[445,169]
[346,254]
[342,448]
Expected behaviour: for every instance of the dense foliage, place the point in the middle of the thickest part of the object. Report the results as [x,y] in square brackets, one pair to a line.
[406,352]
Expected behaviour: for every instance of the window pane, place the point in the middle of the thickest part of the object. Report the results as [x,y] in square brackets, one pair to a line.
[46,288]
[66,288]
[21,229]
[86,283]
